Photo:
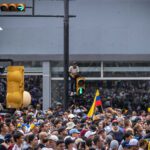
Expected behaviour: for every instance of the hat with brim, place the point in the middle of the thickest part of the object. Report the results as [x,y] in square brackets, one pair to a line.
[70,125]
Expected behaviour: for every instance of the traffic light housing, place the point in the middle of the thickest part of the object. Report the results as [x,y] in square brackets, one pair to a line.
[2,69]
[80,85]
[12,7]
[15,86]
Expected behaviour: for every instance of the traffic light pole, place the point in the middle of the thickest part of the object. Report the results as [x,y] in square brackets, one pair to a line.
[33,5]
[66,2]
[66,52]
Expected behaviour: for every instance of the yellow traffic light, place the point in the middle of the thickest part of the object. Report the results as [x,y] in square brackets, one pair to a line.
[15,7]
[15,86]
[80,85]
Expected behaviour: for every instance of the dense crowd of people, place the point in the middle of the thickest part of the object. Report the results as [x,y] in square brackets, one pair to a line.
[132,95]
[71,129]
[122,124]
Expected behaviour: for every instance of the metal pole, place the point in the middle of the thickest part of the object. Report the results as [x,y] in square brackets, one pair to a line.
[66,51]
[33,6]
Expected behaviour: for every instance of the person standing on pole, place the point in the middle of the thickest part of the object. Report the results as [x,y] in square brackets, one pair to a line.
[74,74]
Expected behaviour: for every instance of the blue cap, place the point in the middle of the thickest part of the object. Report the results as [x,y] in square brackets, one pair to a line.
[74,131]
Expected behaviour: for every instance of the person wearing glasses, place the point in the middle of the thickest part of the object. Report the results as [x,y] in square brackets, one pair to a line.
[115,132]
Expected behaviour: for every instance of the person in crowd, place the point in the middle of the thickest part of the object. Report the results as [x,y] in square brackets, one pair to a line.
[34,128]
[62,132]
[125,142]
[60,145]
[52,142]
[3,131]
[43,139]
[74,74]
[8,143]
[69,144]
[116,133]
[114,145]
[133,144]
[74,133]
[32,142]
[11,127]
[99,145]
[139,132]
[18,139]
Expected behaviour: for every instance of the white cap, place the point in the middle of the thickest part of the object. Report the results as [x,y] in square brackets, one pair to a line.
[53,137]
[71,116]
[133,142]
[89,133]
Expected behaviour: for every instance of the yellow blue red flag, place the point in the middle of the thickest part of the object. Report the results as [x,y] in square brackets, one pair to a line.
[97,102]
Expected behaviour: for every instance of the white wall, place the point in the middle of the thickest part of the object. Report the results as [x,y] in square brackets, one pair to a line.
[100,27]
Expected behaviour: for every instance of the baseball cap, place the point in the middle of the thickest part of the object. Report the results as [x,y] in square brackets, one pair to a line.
[71,116]
[53,137]
[114,122]
[133,142]
[89,133]
[74,131]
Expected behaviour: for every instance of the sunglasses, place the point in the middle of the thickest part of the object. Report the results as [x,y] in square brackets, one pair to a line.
[115,124]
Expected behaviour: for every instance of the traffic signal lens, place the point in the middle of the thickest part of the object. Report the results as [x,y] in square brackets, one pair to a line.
[80,91]
[4,7]
[12,7]
[21,7]
[81,82]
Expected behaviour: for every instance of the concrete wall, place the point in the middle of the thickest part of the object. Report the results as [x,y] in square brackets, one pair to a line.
[100,28]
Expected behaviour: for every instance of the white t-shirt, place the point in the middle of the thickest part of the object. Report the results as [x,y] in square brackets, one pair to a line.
[16,147]
[73,70]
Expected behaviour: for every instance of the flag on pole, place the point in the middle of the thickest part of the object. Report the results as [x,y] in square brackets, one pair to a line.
[98,99]
[91,111]
[96,102]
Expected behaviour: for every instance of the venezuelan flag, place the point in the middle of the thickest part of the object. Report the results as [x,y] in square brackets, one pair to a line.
[97,102]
